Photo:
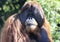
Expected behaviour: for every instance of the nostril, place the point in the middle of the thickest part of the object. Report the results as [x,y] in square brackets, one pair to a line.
[31,17]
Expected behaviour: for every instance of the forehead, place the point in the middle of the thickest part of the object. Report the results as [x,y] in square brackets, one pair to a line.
[33,8]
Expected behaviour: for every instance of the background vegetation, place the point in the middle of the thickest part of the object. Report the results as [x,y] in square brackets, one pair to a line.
[50,7]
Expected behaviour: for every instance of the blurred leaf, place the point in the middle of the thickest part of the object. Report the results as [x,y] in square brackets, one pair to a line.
[6,8]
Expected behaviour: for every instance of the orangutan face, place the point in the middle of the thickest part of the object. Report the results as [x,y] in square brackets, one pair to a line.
[31,24]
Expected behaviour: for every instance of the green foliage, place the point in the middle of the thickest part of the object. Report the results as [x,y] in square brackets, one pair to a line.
[52,11]
[9,7]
